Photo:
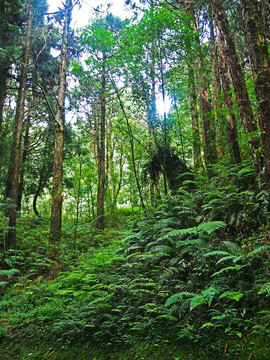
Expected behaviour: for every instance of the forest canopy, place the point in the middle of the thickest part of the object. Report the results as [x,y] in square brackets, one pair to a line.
[135,160]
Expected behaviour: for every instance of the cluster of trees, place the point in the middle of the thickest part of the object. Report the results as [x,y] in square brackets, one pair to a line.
[209,57]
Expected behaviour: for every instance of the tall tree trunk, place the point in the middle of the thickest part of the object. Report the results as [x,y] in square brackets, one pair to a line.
[228,100]
[197,155]
[101,152]
[3,87]
[56,208]
[179,126]
[208,132]
[260,61]
[23,159]
[238,80]
[78,199]
[216,90]
[13,171]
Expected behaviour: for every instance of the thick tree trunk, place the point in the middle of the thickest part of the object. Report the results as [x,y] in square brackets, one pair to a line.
[101,152]
[238,80]
[228,100]
[13,171]
[260,61]
[56,208]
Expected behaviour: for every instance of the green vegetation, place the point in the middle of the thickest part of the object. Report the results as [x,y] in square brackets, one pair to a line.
[190,279]
[134,180]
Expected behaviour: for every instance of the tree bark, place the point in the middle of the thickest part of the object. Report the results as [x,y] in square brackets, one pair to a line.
[23,159]
[260,61]
[228,100]
[3,87]
[216,90]
[13,171]
[238,79]
[56,208]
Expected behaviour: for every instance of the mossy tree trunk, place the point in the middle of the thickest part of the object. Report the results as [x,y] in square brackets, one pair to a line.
[258,49]
[238,79]
[228,101]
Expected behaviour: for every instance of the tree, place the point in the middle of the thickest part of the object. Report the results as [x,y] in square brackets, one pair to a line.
[258,50]
[56,208]
[13,171]
[228,100]
[238,79]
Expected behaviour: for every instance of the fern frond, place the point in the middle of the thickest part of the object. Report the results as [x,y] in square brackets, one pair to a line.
[179,297]
[216,253]
[264,289]
[181,232]
[260,249]
[169,272]
[211,226]
[162,248]
[193,243]
[233,295]
[235,267]
[230,257]
[205,297]
[134,236]
[232,247]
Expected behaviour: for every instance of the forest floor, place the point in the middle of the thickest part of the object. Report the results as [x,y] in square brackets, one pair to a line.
[96,301]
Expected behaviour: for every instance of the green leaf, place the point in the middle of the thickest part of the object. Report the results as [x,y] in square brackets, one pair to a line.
[179,297]
[236,268]
[234,295]
[264,289]
[209,324]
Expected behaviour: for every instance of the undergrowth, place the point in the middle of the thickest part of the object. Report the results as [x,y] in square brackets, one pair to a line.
[193,274]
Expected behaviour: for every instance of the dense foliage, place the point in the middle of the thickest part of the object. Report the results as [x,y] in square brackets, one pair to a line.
[125,231]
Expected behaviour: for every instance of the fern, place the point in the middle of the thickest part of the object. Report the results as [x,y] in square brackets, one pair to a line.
[230,257]
[162,248]
[236,268]
[232,247]
[207,227]
[205,297]
[216,253]
[9,273]
[233,295]
[264,289]
[258,250]
[169,272]
[179,297]
[193,243]
[212,226]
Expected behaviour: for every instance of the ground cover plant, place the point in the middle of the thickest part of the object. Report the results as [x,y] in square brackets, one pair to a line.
[189,274]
